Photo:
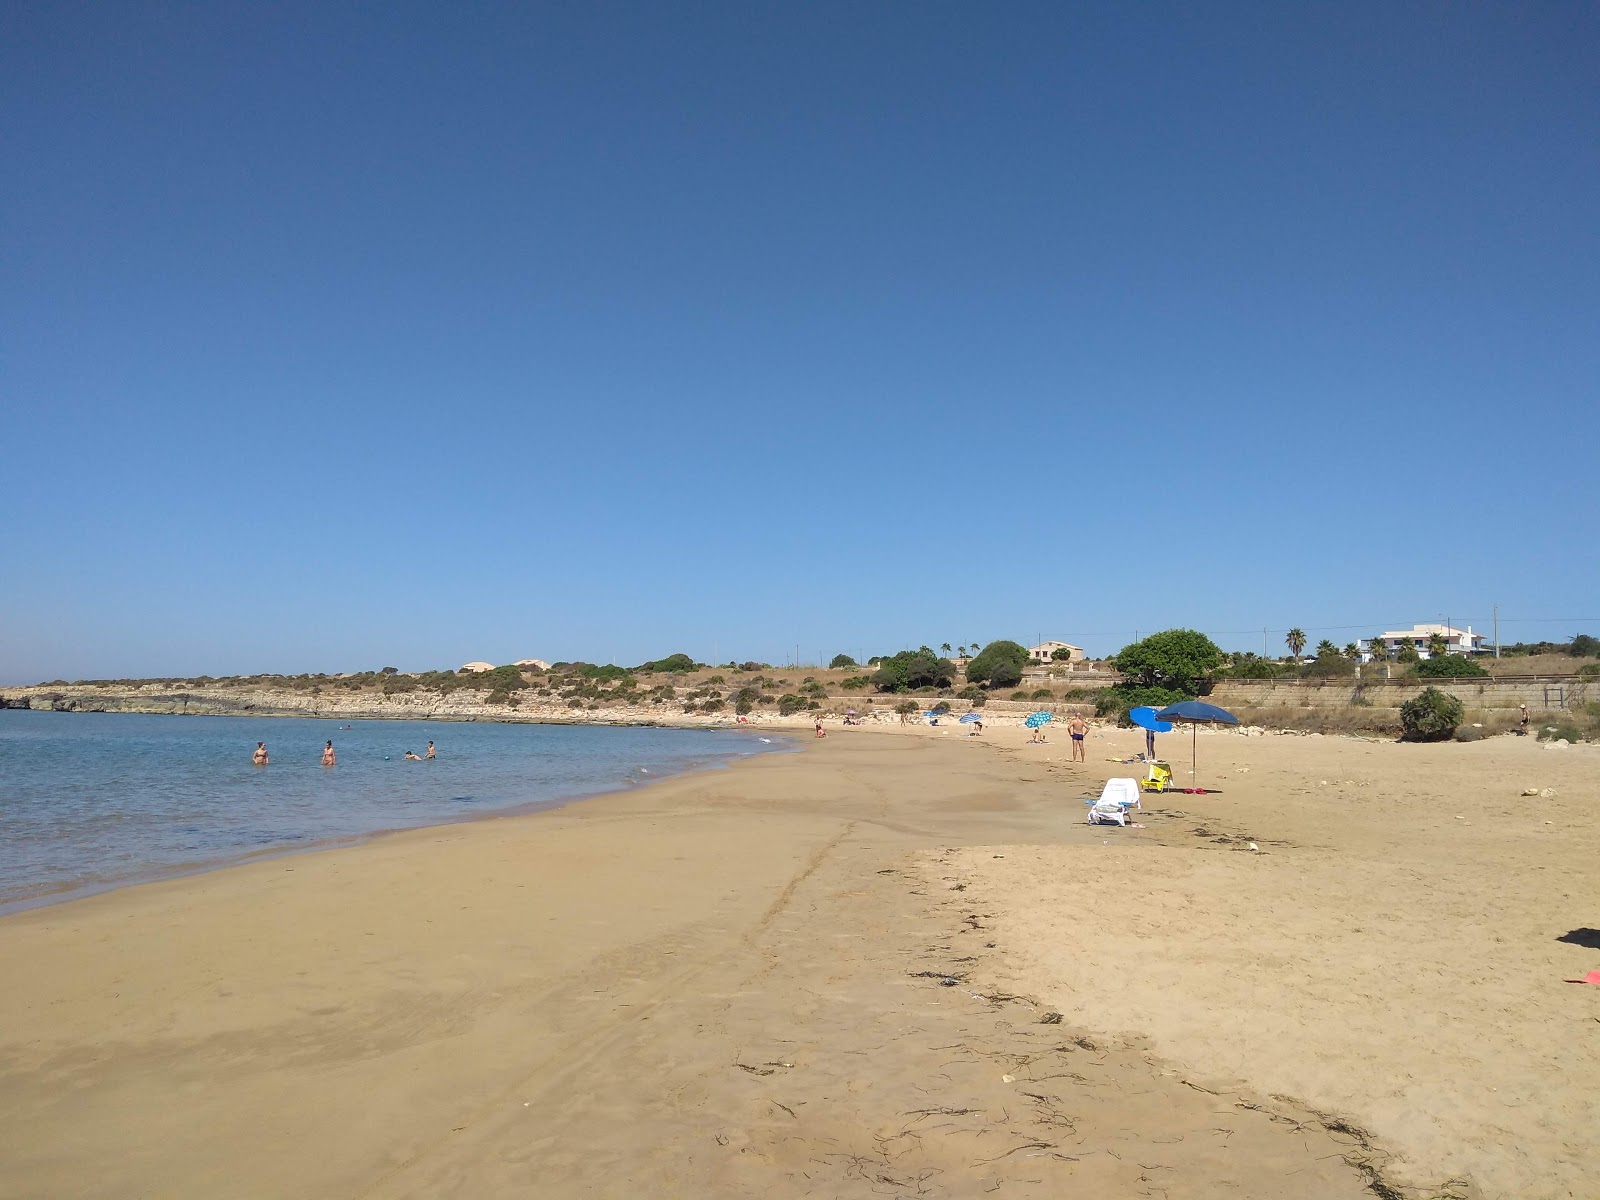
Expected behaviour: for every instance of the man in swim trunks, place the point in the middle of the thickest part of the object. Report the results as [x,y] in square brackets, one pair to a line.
[1078,727]
[429,754]
[260,756]
[328,757]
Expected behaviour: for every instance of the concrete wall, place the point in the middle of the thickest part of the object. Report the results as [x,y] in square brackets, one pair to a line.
[1480,696]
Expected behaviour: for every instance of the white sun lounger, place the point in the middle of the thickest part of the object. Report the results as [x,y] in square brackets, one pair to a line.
[1118,796]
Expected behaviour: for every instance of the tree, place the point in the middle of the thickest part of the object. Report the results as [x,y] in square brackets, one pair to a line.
[1584,646]
[1408,653]
[999,665]
[842,660]
[1437,645]
[390,671]
[1177,659]
[1061,655]
[975,646]
[1352,651]
[961,651]
[945,647]
[1431,716]
[1377,647]
[913,669]
[1326,649]
[1296,641]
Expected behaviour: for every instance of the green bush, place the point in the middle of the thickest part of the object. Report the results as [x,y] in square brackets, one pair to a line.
[1430,717]
[912,669]
[1019,695]
[1042,694]
[1177,659]
[1253,667]
[673,662]
[856,683]
[999,665]
[906,707]
[1118,701]
[1584,646]
[790,703]
[841,660]
[1564,731]
[1450,666]
[942,707]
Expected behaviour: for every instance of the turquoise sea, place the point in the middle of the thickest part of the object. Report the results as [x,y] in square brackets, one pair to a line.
[90,801]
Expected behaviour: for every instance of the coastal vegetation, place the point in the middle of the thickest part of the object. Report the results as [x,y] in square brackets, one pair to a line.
[998,665]
[1431,716]
[912,669]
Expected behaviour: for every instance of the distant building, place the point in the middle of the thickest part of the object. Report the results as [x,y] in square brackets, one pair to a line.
[475,668]
[538,664]
[1045,652]
[1457,641]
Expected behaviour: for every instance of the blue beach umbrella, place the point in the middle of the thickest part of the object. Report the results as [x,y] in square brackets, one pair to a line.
[1145,718]
[1039,718]
[969,718]
[1195,713]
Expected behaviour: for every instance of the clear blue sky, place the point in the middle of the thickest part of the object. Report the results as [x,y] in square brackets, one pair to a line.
[340,336]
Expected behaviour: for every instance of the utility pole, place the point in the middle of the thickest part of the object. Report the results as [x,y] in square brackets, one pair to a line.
[1497,631]
[1263,641]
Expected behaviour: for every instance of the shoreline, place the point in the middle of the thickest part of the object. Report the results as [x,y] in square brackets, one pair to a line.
[70,893]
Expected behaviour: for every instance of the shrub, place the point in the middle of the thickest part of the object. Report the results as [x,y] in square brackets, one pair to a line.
[1254,668]
[742,707]
[911,669]
[672,662]
[1119,700]
[942,707]
[906,707]
[978,701]
[1408,654]
[999,665]
[856,683]
[1177,659]
[713,705]
[1019,695]
[1566,731]
[841,660]
[1468,734]
[1450,666]
[1430,717]
[1584,646]
[790,703]
[1062,655]
[1042,694]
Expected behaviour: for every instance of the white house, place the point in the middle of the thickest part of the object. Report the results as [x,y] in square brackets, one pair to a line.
[538,664]
[475,668]
[1045,652]
[1457,641]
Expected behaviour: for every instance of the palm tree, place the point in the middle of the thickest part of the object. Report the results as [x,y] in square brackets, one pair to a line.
[945,647]
[961,651]
[975,647]
[1352,651]
[1296,641]
[1377,647]
[1437,646]
[1326,649]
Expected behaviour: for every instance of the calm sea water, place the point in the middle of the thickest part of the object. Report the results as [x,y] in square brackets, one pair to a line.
[90,801]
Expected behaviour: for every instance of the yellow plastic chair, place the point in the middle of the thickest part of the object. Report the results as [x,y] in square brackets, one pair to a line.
[1157,779]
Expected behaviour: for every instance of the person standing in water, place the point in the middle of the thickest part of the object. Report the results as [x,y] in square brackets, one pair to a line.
[430,753]
[260,756]
[1078,728]
[328,756]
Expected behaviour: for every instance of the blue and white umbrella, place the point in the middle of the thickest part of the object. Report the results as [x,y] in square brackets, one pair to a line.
[969,718]
[1039,718]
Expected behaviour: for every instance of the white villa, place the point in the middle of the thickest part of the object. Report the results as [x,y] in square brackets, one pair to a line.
[1457,641]
[1045,652]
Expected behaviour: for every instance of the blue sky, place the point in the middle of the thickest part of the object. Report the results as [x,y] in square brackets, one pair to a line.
[343,336]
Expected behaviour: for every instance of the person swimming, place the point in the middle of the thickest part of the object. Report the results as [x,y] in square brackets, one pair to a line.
[328,756]
[260,756]
[413,756]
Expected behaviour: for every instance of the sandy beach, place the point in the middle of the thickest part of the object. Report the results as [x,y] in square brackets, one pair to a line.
[897,964]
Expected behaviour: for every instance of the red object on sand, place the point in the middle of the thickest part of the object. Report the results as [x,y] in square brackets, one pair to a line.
[1591,977]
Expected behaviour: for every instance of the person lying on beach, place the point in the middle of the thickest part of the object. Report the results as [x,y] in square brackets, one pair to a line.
[260,756]
[328,757]
[413,756]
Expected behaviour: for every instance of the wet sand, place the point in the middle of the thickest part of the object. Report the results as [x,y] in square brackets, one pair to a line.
[735,983]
